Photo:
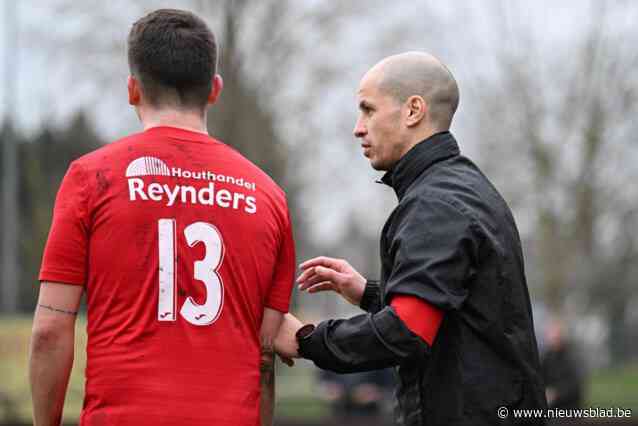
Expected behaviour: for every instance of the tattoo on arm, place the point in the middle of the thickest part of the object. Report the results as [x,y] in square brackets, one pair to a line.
[62,311]
[267,370]
[267,367]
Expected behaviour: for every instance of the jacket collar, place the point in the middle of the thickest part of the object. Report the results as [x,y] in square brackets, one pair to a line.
[421,156]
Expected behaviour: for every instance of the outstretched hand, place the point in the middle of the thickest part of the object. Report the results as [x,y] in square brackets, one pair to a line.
[330,274]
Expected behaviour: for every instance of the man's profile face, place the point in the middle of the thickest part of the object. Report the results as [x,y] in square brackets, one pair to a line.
[379,124]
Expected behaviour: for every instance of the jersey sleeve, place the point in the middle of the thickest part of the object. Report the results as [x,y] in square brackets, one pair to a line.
[283,277]
[66,250]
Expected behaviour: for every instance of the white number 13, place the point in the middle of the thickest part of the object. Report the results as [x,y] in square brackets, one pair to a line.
[205,271]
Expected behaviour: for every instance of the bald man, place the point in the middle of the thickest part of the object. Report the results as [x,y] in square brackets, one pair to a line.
[451,310]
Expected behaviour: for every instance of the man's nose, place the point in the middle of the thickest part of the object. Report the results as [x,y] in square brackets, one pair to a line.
[359,130]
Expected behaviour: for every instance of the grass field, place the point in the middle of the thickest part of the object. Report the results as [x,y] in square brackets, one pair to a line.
[296,392]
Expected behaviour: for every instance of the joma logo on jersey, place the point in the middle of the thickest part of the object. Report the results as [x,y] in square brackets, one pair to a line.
[187,194]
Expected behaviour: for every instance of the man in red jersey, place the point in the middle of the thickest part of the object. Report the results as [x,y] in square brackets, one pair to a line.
[183,247]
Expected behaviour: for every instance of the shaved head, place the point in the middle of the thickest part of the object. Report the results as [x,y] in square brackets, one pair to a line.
[403,100]
[420,74]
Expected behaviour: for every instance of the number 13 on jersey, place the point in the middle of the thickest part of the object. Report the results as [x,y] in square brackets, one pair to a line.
[205,271]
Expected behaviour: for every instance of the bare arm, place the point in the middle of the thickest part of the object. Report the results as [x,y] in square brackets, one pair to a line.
[269,328]
[51,350]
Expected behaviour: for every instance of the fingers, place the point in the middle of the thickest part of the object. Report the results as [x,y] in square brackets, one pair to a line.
[327,274]
[323,286]
[305,275]
[328,262]
[310,281]
[321,274]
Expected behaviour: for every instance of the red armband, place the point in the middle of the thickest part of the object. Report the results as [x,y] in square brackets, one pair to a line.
[419,316]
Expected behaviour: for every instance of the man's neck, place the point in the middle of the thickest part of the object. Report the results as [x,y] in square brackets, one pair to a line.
[418,137]
[193,121]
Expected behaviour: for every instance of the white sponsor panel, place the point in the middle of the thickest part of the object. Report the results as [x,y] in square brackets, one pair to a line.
[208,195]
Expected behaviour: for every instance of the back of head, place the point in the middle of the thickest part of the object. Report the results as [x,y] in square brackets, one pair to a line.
[173,55]
[421,74]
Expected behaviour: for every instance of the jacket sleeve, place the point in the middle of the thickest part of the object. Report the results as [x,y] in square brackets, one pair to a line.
[362,343]
[371,299]
[434,250]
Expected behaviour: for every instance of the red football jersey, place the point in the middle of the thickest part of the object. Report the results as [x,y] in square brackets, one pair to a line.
[180,243]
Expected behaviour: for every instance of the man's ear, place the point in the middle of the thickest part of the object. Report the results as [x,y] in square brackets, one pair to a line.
[216,89]
[417,110]
[134,93]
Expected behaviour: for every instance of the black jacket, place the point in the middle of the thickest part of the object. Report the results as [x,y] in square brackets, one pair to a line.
[451,241]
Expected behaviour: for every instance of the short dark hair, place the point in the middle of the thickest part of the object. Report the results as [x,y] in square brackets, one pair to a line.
[174,55]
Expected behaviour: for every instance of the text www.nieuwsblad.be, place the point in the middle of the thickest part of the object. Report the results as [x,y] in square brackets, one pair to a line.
[559,413]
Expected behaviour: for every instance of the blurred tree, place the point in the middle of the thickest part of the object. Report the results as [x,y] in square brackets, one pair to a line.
[9,217]
[43,161]
[243,118]
[557,123]
[37,195]
[9,170]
